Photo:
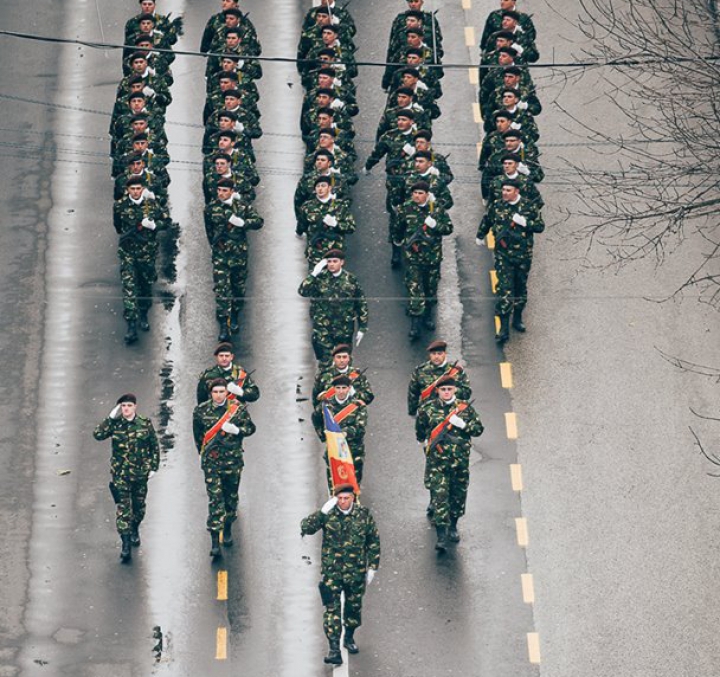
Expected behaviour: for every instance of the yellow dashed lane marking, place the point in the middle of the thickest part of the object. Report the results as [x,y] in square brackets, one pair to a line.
[533,640]
[479,148]
[506,375]
[511,425]
[493,280]
[470,36]
[497,324]
[490,240]
[467,4]
[516,477]
[473,76]
[221,644]
[476,113]
[528,589]
[222,586]
[522,532]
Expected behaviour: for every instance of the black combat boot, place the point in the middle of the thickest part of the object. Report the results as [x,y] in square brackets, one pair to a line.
[349,641]
[414,333]
[132,335]
[396,258]
[517,323]
[227,533]
[428,320]
[224,334]
[135,535]
[215,547]
[430,511]
[441,545]
[235,321]
[504,334]
[334,657]
[453,533]
[143,319]
[126,550]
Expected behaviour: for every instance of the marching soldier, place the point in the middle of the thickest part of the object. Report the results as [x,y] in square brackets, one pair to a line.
[240,384]
[338,306]
[171,28]
[493,23]
[219,427]
[342,366]
[350,560]
[135,456]
[324,166]
[445,425]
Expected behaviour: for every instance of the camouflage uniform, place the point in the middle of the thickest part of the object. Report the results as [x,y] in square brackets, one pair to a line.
[493,24]
[353,425]
[320,236]
[137,250]
[351,545]
[323,387]
[447,464]
[513,250]
[343,15]
[236,374]
[305,190]
[426,374]
[214,33]
[438,187]
[341,161]
[171,29]
[135,453]
[229,245]
[388,122]
[336,304]
[221,460]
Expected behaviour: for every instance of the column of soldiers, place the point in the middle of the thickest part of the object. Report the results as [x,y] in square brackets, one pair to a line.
[417,176]
[509,158]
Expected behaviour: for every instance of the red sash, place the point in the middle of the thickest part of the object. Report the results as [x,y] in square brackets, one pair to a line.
[454,371]
[437,430]
[213,432]
[330,392]
[345,412]
[240,381]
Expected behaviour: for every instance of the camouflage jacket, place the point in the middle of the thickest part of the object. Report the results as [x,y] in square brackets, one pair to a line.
[306,188]
[351,543]
[235,373]
[336,302]
[156,181]
[344,140]
[214,32]
[127,219]
[438,188]
[249,46]
[510,237]
[170,28]
[360,388]
[353,425]
[528,189]
[527,94]
[422,244]
[528,154]
[426,374]
[135,450]
[121,126]
[321,236]
[493,24]
[224,450]
[491,78]
[429,77]
[344,55]
[242,181]
[455,442]
[398,27]
[311,40]
[423,119]
[215,101]
[342,161]
[221,233]
[344,18]
[394,146]
[159,101]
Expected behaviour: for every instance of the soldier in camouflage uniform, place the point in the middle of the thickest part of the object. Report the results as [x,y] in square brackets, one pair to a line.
[171,28]
[228,221]
[219,426]
[341,365]
[514,220]
[340,16]
[423,141]
[325,220]
[424,170]
[445,425]
[324,166]
[341,160]
[420,227]
[337,306]
[402,99]
[213,35]
[135,455]
[239,382]
[156,182]
[350,560]
[136,218]
[514,168]
[351,415]
[493,23]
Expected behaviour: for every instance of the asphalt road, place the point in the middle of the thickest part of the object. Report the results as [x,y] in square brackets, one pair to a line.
[620,513]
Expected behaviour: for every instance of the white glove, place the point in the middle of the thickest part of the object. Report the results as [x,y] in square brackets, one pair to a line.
[339,66]
[230,428]
[409,149]
[235,389]
[431,197]
[457,421]
[479,241]
[520,220]
[434,171]
[152,71]
[366,171]
[319,267]
[237,221]
[518,49]
[337,104]
[329,505]
[240,64]
[430,222]
[516,126]
[337,82]
[523,169]
[236,197]
[335,20]
[370,574]
[239,127]
[330,220]
[422,85]
[148,91]
[148,194]
[151,473]
[522,105]
[115,413]
[148,223]
[359,337]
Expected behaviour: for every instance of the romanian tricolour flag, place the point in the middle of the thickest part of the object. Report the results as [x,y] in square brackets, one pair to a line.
[342,468]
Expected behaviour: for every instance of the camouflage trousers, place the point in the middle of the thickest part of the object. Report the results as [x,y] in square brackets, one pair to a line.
[512,276]
[129,496]
[335,616]
[137,274]
[222,486]
[357,448]
[421,283]
[448,481]
[230,273]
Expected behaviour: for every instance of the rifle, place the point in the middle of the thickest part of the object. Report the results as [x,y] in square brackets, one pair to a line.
[442,435]
[419,235]
[322,234]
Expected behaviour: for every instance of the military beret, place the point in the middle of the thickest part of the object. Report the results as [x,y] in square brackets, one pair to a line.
[230,57]
[507,35]
[415,14]
[140,136]
[511,182]
[326,132]
[511,13]
[146,16]
[133,157]
[140,116]
[341,380]
[413,50]
[322,179]
[326,51]
[410,71]
[406,113]
[322,10]
[324,90]
[233,11]
[225,183]
[512,157]
[217,383]
[342,348]
[330,28]
[143,37]
[232,31]
[446,381]
[135,181]
[512,133]
[230,114]
[503,114]
[421,185]
[511,90]
[507,50]
[136,95]
[138,55]
[437,347]
[324,153]
[135,79]
[423,154]
[326,71]
[405,90]
[423,134]
[232,92]
[229,133]
[413,31]
[326,110]
[227,75]
[343,489]
[221,156]
[224,348]
[127,397]
[335,254]
[512,70]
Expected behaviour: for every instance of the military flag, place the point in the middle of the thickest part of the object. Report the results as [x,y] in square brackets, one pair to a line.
[342,467]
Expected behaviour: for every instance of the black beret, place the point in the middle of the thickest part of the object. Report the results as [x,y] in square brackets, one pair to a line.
[446,381]
[328,132]
[423,134]
[421,185]
[413,50]
[232,92]
[511,13]
[322,10]
[135,79]
[410,71]
[414,14]
[335,254]
[326,71]
[507,50]
[140,136]
[342,348]
[233,11]
[341,380]
[503,114]
[423,154]
[405,90]
[229,133]
[127,397]
[324,90]
[138,55]
[231,114]
[232,31]
[140,116]
[511,182]
[226,183]
[323,179]
[343,489]
[136,95]
[437,346]
[513,157]
[133,157]
[230,57]
[507,35]
[512,70]
[324,153]
[217,382]
[135,181]
[406,113]
[512,91]
[326,110]
[512,133]
[327,51]
[143,37]
[227,75]
[413,31]
[146,16]
[330,28]
[224,348]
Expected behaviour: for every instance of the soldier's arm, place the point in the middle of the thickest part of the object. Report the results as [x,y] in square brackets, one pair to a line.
[355,426]
[308,287]
[251,391]
[381,149]
[486,223]
[474,426]
[464,391]
[346,221]
[372,543]
[198,429]
[413,394]
[313,523]
[154,448]
[361,308]
[201,392]
[253,220]
[422,429]
[243,421]
[104,430]
[444,224]
[364,389]
[318,423]
[117,216]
